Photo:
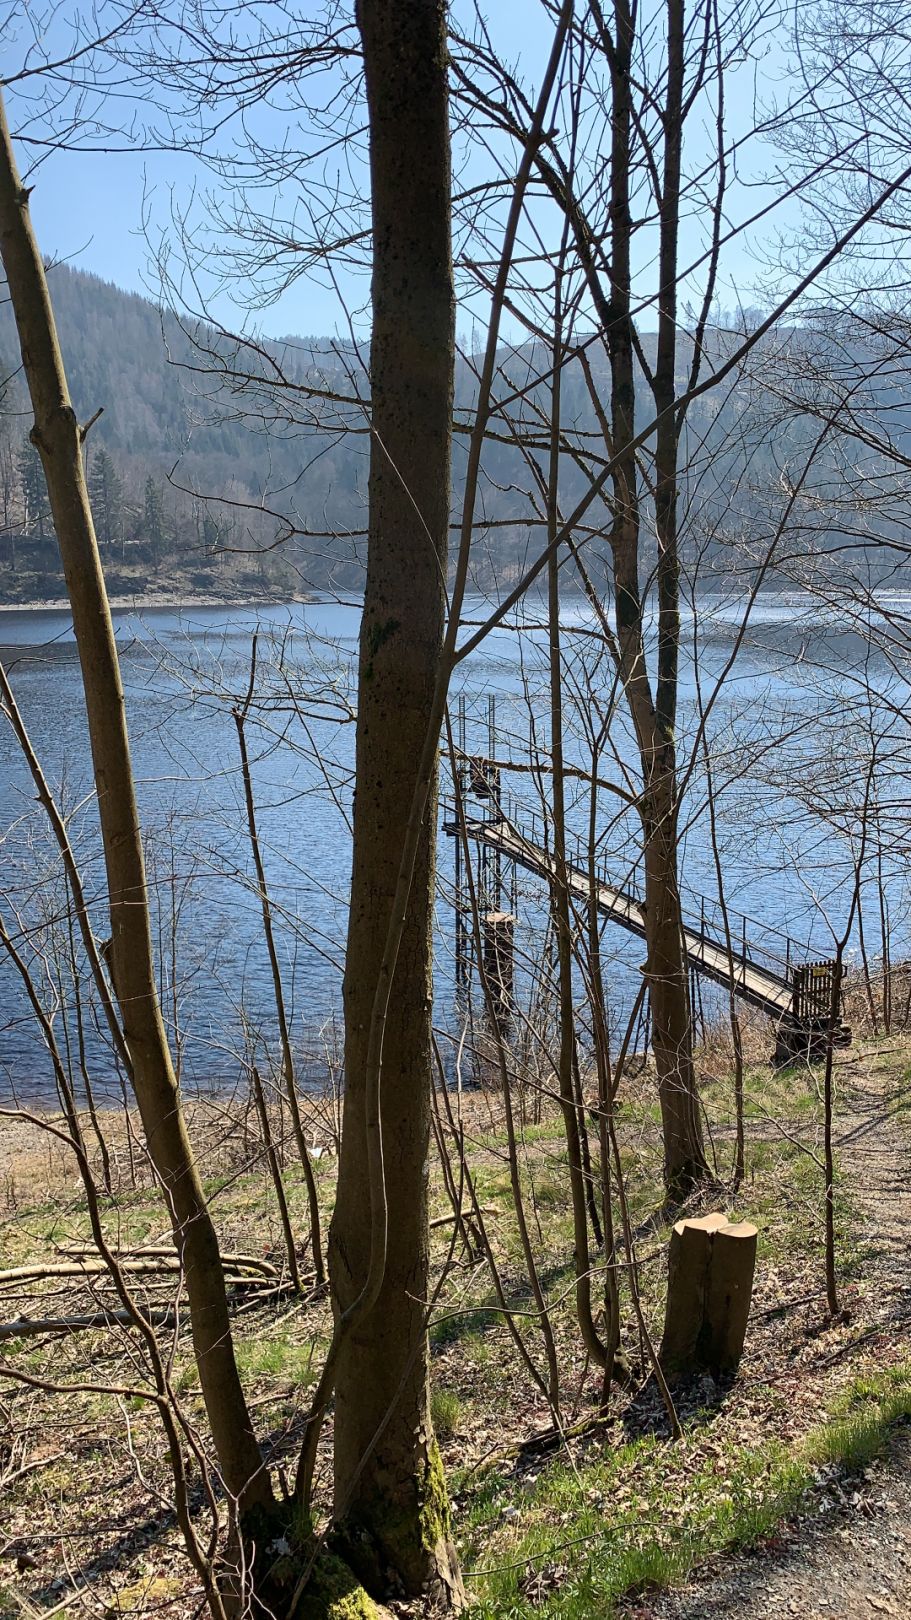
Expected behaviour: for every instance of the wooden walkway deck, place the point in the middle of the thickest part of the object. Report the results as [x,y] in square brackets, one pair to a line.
[760,985]
[757,962]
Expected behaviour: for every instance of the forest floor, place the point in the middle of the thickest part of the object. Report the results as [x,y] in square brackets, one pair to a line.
[846,1554]
[802,1456]
[846,1557]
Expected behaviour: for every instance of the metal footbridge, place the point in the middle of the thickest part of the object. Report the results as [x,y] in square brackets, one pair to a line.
[760,964]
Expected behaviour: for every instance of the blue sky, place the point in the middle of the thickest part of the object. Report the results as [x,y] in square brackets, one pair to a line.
[100,211]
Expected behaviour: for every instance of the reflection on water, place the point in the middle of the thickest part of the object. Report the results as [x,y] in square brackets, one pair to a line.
[794,684]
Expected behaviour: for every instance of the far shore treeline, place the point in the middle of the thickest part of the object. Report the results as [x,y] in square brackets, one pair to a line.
[199,491]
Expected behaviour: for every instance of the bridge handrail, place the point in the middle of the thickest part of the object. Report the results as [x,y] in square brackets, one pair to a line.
[742,929]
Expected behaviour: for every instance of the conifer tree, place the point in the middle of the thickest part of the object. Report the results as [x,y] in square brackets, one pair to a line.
[106,495]
[35,508]
[153,520]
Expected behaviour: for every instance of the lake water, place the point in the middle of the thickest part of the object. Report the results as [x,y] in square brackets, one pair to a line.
[786,733]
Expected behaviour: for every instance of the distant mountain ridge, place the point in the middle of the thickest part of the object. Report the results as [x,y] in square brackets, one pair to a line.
[216,476]
[195,476]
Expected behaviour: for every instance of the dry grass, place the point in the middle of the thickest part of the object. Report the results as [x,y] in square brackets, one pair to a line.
[542,1530]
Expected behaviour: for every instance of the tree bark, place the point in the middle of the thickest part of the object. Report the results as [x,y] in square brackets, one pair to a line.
[668,984]
[653,714]
[709,1290]
[390,1496]
[59,440]
[672,1033]
[573,1115]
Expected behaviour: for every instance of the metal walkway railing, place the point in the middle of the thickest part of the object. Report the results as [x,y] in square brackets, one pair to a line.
[761,964]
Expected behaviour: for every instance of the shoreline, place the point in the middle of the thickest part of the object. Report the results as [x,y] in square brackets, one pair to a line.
[176,600]
[169,600]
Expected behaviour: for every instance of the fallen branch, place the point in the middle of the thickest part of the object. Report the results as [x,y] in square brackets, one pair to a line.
[149,1260]
[446,1220]
[26,1327]
[15,1474]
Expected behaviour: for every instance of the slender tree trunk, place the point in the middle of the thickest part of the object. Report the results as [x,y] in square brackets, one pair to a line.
[289,1081]
[573,1123]
[832,1299]
[668,985]
[59,440]
[672,1031]
[606,1096]
[275,1171]
[654,716]
[733,1015]
[390,1497]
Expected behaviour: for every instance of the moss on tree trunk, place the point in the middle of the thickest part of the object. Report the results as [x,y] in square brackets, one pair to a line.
[335,1593]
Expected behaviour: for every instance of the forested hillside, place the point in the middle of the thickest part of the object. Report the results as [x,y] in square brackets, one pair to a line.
[219,466]
[177,483]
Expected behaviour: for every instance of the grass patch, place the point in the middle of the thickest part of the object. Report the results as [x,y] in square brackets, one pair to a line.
[861,1418]
[645,1515]
[278,1358]
[283,1360]
[445,1411]
[468,1324]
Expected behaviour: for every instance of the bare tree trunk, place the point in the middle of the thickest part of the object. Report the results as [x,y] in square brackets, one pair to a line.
[59,440]
[606,1097]
[654,718]
[288,1077]
[733,1014]
[573,1122]
[275,1172]
[390,1497]
[672,1033]
[668,984]
[832,1300]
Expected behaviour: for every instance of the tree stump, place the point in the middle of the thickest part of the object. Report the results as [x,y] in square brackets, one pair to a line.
[709,1288]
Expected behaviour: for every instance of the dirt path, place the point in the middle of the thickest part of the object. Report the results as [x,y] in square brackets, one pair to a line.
[849,1556]
[850,1560]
